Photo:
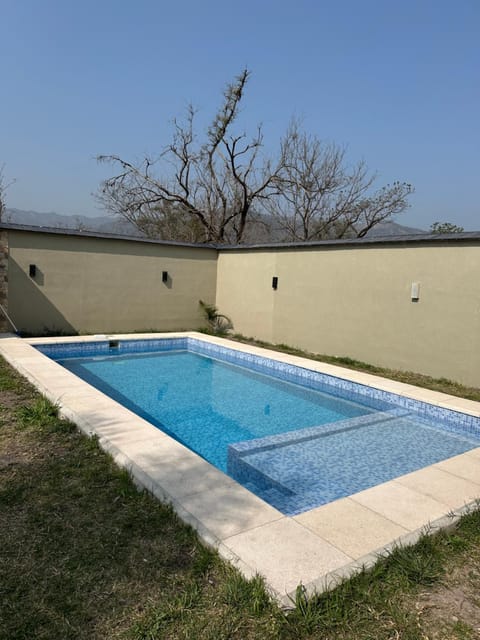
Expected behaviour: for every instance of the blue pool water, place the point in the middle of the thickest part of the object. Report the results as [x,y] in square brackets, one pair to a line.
[207,404]
[295,445]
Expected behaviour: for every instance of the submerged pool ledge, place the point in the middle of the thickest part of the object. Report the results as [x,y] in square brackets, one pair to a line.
[314,548]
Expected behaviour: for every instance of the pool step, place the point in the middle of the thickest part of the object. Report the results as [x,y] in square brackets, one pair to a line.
[266,479]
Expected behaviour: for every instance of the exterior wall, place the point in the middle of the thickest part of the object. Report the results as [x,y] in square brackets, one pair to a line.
[356,301]
[97,285]
[338,300]
[4,324]
[245,294]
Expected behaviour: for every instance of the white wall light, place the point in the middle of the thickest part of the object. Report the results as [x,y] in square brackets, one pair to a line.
[415,292]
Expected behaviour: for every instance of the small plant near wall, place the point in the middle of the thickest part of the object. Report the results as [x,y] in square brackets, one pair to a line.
[217,322]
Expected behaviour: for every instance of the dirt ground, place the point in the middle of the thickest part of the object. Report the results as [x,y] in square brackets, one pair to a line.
[452,609]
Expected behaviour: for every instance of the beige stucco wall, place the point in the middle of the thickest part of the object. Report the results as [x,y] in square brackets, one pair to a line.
[98,285]
[245,293]
[356,302]
[345,301]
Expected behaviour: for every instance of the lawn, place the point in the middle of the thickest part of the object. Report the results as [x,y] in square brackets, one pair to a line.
[84,554]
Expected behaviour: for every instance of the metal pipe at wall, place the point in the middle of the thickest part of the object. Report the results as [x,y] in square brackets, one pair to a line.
[2,308]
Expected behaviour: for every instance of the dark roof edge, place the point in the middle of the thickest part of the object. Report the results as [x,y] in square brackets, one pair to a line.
[107,236]
[466,236]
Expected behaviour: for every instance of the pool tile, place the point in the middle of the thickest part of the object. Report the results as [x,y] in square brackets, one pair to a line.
[465,466]
[406,507]
[287,553]
[440,485]
[351,527]
[229,509]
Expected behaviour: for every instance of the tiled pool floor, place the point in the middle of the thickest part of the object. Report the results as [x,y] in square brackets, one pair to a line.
[314,548]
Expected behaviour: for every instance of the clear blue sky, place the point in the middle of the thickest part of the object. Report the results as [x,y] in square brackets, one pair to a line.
[398,82]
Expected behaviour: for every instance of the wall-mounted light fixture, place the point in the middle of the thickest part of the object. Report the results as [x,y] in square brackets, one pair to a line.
[164,276]
[32,270]
[275,283]
[415,291]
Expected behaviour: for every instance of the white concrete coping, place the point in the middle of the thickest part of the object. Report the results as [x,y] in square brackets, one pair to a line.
[316,548]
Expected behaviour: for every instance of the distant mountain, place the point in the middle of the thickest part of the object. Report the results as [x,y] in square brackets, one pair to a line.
[114,224]
[393,229]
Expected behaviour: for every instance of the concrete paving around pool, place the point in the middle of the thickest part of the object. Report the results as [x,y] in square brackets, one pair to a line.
[315,548]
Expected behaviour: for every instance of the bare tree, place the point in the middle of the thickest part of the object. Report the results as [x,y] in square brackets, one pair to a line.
[204,191]
[210,191]
[321,197]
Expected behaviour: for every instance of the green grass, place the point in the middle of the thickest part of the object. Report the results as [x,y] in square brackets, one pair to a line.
[409,377]
[84,554]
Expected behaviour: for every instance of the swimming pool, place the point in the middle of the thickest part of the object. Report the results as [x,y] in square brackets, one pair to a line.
[296,438]
[316,547]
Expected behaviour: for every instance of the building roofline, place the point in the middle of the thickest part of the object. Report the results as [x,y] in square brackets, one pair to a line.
[93,234]
[464,237]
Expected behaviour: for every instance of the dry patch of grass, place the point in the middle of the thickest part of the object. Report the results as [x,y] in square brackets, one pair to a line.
[452,608]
